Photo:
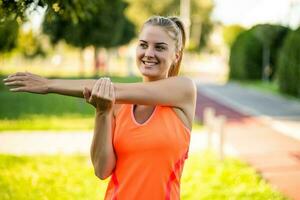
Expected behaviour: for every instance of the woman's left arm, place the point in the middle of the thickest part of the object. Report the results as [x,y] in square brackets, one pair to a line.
[173,91]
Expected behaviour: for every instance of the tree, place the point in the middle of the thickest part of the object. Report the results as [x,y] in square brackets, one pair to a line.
[72,10]
[8,35]
[201,24]
[14,13]
[289,64]
[105,27]
[269,36]
[230,33]
[31,45]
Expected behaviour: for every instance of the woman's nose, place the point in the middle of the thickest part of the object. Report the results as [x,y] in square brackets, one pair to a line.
[149,52]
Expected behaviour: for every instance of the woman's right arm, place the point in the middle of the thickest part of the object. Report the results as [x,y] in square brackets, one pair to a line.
[102,152]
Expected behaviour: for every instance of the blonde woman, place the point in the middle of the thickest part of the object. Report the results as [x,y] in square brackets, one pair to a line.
[142,130]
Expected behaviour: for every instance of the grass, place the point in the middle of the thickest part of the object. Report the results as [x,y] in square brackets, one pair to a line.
[72,177]
[26,111]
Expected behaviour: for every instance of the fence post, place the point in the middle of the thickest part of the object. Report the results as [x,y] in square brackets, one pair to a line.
[221,132]
[208,118]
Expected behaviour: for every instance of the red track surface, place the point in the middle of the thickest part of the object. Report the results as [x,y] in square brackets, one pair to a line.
[274,155]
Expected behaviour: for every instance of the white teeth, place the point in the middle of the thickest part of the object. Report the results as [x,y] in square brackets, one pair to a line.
[149,63]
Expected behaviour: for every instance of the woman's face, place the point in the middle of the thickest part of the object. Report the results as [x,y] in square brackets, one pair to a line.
[155,53]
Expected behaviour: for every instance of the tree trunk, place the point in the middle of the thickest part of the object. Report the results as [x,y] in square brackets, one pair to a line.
[96,61]
[266,70]
[81,62]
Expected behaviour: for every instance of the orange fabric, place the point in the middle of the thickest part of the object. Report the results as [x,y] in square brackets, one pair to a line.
[150,156]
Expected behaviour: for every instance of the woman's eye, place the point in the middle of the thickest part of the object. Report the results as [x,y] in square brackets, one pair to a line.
[143,45]
[160,48]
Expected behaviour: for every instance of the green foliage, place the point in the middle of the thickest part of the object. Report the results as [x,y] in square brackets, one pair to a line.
[271,38]
[201,25]
[289,64]
[247,57]
[230,33]
[30,45]
[106,26]
[71,10]
[139,11]
[72,177]
[8,35]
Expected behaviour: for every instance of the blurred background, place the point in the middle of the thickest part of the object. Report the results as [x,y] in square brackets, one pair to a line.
[243,55]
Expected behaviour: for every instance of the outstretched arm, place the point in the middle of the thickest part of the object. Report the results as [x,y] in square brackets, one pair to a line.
[174,91]
[28,82]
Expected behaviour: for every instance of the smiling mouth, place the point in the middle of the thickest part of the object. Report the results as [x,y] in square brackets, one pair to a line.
[149,64]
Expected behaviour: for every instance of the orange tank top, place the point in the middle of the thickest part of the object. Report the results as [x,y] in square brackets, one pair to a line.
[150,156]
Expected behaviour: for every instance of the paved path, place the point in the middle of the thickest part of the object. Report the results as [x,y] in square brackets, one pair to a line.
[250,130]
[281,114]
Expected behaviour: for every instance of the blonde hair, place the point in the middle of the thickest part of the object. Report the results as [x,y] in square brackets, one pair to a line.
[174,26]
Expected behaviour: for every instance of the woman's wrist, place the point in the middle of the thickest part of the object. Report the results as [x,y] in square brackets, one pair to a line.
[105,113]
[50,85]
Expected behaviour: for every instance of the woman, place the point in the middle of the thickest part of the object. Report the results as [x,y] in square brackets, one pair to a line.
[142,130]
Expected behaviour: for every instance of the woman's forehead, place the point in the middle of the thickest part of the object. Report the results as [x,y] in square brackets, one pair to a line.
[155,34]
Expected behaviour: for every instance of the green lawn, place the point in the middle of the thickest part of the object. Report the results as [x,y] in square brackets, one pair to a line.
[72,177]
[25,111]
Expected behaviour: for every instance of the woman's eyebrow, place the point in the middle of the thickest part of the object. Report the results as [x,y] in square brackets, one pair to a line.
[159,43]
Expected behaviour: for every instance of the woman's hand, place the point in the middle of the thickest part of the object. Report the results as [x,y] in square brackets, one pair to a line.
[102,96]
[27,82]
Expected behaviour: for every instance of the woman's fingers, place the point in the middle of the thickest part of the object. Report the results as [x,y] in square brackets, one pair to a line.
[112,92]
[101,90]
[105,91]
[95,90]
[15,83]
[18,74]
[14,78]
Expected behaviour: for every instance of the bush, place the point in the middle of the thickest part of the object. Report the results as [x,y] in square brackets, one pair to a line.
[289,64]
[245,57]
[250,47]
[271,37]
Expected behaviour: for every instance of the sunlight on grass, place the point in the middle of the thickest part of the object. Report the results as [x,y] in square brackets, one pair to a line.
[48,177]
[72,177]
[42,122]
[207,178]
[271,87]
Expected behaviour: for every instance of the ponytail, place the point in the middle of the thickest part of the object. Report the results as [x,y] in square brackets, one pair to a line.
[174,70]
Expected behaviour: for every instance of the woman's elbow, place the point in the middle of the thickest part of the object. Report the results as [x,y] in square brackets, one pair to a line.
[102,176]
[104,171]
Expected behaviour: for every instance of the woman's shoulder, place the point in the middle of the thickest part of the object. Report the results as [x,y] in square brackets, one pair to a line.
[187,84]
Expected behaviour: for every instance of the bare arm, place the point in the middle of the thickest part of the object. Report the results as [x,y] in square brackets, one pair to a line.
[70,87]
[102,152]
[174,91]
